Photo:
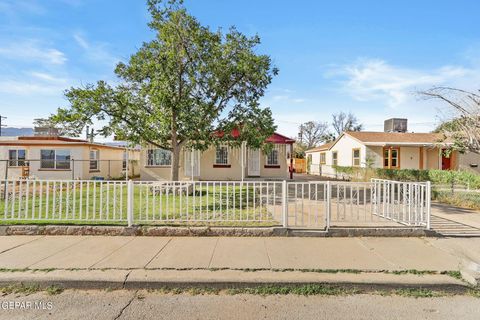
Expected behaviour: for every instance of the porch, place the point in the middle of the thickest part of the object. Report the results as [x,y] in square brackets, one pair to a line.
[406,156]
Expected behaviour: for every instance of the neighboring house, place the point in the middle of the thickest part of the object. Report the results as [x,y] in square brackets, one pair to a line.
[220,163]
[52,158]
[317,157]
[392,150]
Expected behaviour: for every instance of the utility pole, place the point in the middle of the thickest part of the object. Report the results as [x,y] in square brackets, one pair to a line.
[2,125]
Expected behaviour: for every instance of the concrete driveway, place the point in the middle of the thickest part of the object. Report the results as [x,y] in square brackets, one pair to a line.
[454,221]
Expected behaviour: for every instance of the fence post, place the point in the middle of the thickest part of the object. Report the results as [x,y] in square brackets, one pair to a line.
[429,199]
[130,203]
[284,204]
[329,206]
[73,169]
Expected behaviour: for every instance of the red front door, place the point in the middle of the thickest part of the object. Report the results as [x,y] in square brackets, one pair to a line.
[445,162]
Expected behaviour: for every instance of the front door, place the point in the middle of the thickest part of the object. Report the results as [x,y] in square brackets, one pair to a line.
[446,161]
[254,162]
[192,168]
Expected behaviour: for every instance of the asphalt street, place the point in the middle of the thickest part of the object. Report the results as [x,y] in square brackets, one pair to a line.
[74,304]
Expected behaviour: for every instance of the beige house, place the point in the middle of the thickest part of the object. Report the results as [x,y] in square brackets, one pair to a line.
[220,163]
[392,150]
[60,158]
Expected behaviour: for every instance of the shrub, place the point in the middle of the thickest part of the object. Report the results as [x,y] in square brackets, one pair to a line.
[444,177]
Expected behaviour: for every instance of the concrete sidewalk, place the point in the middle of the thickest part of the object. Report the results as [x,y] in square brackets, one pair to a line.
[100,252]
[154,256]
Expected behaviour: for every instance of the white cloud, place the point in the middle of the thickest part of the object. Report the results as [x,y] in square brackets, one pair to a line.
[32,50]
[97,51]
[17,87]
[286,98]
[33,83]
[13,7]
[47,77]
[375,79]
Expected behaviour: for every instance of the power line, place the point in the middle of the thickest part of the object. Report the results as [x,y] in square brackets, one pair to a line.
[2,125]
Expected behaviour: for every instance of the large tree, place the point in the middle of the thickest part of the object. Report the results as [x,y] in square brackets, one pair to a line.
[464,127]
[187,88]
[312,133]
[342,122]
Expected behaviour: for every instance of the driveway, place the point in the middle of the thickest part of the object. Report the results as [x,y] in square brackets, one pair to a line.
[454,221]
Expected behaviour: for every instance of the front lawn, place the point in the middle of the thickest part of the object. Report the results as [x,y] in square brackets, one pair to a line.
[106,203]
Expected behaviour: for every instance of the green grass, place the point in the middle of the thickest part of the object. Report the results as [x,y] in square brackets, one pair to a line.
[463,199]
[453,274]
[418,293]
[316,290]
[304,290]
[20,288]
[54,290]
[27,289]
[232,205]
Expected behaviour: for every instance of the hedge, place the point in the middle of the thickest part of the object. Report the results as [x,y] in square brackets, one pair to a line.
[450,177]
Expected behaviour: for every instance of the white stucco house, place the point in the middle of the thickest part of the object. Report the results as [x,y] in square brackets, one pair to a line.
[392,150]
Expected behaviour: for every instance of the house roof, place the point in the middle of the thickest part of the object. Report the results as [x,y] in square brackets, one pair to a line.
[52,141]
[382,138]
[323,147]
[274,138]
[278,138]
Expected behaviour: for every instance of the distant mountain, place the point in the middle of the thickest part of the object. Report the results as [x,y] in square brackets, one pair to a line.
[14,132]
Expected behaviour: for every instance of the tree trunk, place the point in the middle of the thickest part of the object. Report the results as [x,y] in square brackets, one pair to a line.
[175,168]
[175,148]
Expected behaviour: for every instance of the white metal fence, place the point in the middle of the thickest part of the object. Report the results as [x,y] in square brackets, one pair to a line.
[313,204]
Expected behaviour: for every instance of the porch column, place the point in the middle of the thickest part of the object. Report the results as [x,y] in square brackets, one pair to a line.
[291,160]
[127,167]
[191,163]
[420,161]
[243,150]
[439,158]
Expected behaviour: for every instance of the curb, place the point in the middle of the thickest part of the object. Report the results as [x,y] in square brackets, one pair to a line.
[225,279]
[210,231]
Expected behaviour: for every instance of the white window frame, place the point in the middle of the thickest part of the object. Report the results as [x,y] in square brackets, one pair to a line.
[356,158]
[226,160]
[270,154]
[124,160]
[16,161]
[158,157]
[323,157]
[94,160]
[55,159]
[335,159]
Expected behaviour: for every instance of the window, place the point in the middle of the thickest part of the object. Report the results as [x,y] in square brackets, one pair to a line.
[159,157]
[334,158]
[323,158]
[94,156]
[272,158]
[16,158]
[55,159]
[356,157]
[391,158]
[124,162]
[221,155]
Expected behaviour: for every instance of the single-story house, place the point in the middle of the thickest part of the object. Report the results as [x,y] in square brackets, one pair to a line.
[392,150]
[220,163]
[61,158]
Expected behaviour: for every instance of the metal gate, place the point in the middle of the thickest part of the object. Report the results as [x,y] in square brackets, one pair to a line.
[378,203]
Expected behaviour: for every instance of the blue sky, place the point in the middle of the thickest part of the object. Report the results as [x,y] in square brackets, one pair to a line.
[367,57]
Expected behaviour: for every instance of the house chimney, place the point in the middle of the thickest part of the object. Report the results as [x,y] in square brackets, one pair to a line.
[395,125]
